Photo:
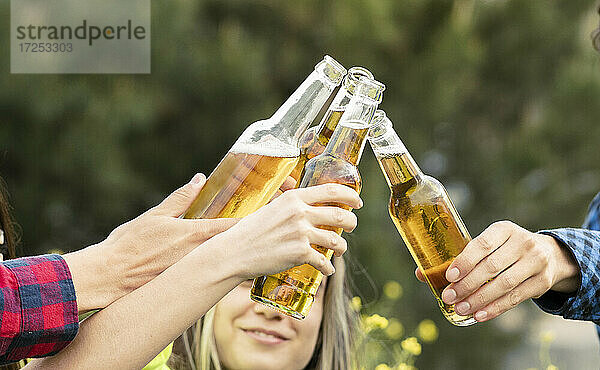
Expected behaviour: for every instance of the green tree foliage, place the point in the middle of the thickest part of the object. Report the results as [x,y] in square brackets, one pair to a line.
[497,99]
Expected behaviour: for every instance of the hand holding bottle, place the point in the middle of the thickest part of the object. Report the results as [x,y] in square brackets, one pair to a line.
[278,236]
[137,251]
[515,263]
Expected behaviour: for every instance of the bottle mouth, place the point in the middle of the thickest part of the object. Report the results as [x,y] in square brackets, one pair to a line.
[354,75]
[380,126]
[332,69]
[370,88]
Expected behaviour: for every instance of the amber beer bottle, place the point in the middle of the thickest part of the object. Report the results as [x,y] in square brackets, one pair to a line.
[315,139]
[266,153]
[422,212]
[292,291]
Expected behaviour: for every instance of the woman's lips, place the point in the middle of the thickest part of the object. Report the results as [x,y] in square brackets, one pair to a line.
[265,336]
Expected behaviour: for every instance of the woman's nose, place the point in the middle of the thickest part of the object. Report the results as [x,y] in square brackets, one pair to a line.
[269,313]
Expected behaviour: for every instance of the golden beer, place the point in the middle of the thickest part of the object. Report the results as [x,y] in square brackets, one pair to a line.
[424,215]
[292,291]
[241,184]
[266,153]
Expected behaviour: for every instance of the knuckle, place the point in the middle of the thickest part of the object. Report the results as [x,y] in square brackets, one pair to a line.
[467,284]
[339,215]
[290,196]
[332,190]
[492,265]
[547,281]
[481,299]
[514,298]
[494,309]
[343,245]
[508,282]
[332,240]
[539,257]
[299,212]
[503,224]
[306,253]
[484,243]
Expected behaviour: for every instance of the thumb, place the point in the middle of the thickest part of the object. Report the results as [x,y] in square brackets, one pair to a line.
[179,201]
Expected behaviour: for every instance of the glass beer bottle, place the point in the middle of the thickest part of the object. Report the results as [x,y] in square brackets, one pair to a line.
[422,212]
[314,140]
[266,153]
[292,291]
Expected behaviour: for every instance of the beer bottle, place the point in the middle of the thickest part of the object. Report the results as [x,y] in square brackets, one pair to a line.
[314,140]
[266,153]
[422,212]
[292,292]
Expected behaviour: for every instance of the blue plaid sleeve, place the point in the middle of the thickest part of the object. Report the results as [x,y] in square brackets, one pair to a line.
[585,303]
[584,245]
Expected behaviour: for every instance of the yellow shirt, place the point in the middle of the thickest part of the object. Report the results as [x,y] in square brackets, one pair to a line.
[160,362]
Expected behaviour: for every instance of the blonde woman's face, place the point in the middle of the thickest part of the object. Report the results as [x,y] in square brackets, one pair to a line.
[251,336]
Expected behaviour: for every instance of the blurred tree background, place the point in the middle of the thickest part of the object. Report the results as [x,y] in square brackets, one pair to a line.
[498,99]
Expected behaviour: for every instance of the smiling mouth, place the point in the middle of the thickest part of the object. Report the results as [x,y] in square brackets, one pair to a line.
[265,337]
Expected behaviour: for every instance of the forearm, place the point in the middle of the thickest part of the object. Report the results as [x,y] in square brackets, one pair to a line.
[132,330]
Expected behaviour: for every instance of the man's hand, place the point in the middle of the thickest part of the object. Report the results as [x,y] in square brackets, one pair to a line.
[504,266]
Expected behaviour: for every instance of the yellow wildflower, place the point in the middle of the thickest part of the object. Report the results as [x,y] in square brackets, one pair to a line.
[382,367]
[356,304]
[551,367]
[427,331]
[404,366]
[393,290]
[375,322]
[412,346]
[394,329]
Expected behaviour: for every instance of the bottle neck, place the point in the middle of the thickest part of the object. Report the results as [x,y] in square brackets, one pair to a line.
[348,141]
[349,137]
[398,166]
[350,84]
[333,115]
[295,115]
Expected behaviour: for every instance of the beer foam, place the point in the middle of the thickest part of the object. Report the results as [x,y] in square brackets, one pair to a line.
[268,146]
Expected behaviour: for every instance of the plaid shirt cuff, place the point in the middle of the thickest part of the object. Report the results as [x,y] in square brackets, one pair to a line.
[48,308]
[585,303]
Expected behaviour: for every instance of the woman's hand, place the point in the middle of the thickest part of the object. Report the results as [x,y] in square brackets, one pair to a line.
[279,235]
[522,265]
[137,251]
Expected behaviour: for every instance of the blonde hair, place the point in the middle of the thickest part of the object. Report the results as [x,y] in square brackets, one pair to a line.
[334,347]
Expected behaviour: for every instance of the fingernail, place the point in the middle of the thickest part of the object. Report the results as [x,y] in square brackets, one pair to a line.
[452,274]
[480,316]
[197,179]
[449,296]
[462,308]
[360,202]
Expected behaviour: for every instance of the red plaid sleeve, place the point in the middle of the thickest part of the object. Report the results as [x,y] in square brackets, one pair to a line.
[38,311]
